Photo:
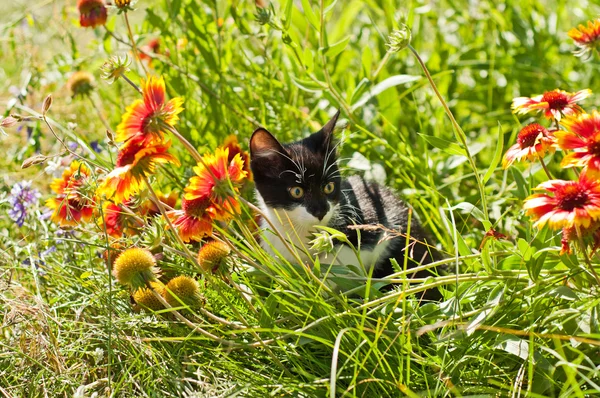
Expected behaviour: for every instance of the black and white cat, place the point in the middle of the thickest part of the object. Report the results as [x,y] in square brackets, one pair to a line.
[299,186]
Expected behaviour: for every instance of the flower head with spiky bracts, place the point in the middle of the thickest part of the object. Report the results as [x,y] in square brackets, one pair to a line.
[135,267]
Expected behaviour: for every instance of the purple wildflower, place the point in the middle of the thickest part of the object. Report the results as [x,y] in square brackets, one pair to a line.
[95,145]
[72,145]
[21,197]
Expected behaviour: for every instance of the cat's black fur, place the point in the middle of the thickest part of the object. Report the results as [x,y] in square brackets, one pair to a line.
[311,163]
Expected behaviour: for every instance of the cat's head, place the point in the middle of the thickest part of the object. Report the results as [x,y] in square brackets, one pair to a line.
[301,178]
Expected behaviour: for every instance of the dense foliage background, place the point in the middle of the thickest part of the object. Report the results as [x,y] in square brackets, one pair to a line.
[517,318]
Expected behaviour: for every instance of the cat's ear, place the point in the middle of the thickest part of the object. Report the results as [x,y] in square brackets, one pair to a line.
[330,125]
[326,133]
[263,144]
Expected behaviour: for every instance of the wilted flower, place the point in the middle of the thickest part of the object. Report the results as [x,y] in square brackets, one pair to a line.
[583,137]
[72,203]
[135,267]
[114,68]
[586,37]
[215,176]
[183,290]
[145,298]
[399,39]
[135,162]
[567,204]
[81,83]
[533,141]
[555,103]
[212,255]
[150,116]
[590,237]
[21,197]
[92,13]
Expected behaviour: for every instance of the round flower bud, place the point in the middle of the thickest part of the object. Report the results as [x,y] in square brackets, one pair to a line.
[183,289]
[134,267]
[399,39]
[146,299]
[212,255]
[81,83]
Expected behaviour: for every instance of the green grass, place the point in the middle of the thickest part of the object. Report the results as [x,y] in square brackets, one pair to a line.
[517,319]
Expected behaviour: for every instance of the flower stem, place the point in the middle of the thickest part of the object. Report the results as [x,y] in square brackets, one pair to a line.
[459,132]
[188,145]
[162,210]
[132,84]
[585,255]
[544,167]
[133,45]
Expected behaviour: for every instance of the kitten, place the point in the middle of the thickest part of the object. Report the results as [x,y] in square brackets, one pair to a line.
[300,186]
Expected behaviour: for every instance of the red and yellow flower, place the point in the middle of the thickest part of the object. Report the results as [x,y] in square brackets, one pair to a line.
[149,116]
[71,205]
[555,103]
[533,141]
[195,220]
[136,161]
[92,13]
[232,144]
[566,204]
[217,179]
[117,220]
[583,138]
[586,38]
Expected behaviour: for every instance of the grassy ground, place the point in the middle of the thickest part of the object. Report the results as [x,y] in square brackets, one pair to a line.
[517,319]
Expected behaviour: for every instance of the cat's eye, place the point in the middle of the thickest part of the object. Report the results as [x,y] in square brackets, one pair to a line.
[296,192]
[329,188]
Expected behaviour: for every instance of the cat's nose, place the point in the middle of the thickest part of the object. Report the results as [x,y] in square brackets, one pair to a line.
[319,211]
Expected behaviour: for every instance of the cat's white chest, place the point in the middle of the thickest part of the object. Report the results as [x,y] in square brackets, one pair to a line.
[297,227]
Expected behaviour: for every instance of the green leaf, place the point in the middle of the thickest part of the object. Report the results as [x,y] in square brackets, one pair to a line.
[307,85]
[491,307]
[310,15]
[384,85]
[447,146]
[287,12]
[335,49]
[524,249]
[497,155]
[522,185]
[308,59]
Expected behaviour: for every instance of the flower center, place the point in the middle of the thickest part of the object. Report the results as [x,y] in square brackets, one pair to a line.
[594,146]
[555,100]
[195,207]
[529,134]
[573,199]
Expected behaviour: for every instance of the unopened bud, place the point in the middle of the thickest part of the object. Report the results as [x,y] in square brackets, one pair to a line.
[9,122]
[32,161]
[399,39]
[47,104]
